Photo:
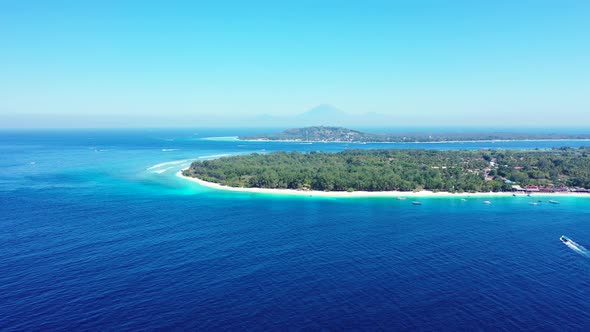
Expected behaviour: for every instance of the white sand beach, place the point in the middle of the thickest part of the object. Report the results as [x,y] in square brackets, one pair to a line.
[424,193]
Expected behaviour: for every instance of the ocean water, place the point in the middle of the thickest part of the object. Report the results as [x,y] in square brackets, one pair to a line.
[98,233]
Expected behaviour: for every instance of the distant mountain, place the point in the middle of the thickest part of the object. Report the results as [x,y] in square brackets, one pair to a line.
[321,115]
[323,112]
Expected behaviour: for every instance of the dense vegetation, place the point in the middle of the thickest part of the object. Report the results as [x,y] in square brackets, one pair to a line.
[338,134]
[405,170]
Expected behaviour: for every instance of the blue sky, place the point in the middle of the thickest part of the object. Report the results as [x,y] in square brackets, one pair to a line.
[472,63]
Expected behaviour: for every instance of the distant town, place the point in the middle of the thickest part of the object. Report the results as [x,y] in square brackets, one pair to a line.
[340,134]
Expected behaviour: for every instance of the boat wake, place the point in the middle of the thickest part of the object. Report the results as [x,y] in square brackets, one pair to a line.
[575,246]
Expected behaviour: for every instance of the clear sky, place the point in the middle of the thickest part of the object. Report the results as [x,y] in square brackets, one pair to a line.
[93,63]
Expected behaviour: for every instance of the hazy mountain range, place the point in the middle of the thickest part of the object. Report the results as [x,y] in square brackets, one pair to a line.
[326,115]
[321,115]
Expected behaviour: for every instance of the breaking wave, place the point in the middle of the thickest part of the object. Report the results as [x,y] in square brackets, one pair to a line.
[220,138]
[163,167]
[176,162]
[215,156]
[160,171]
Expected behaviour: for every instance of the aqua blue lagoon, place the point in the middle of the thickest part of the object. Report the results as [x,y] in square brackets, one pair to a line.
[98,233]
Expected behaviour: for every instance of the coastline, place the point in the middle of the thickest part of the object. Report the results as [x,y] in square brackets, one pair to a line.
[416,142]
[237,139]
[342,194]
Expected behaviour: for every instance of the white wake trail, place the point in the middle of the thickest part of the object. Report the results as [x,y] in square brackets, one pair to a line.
[578,248]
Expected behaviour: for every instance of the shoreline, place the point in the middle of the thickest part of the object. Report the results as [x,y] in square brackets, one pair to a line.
[419,142]
[237,139]
[343,194]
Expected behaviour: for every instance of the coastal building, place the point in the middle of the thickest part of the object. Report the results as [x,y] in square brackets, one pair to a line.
[517,188]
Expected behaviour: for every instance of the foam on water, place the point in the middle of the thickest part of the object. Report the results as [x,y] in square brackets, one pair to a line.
[578,248]
[220,138]
[175,162]
[165,166]
[215,156]
[160,171]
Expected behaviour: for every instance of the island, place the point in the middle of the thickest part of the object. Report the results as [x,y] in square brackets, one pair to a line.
[403,170]
[340,134]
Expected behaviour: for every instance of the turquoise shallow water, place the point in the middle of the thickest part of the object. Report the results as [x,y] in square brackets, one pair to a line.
[97,233]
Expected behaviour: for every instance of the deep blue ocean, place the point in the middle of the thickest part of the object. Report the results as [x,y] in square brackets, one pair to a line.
[98,233]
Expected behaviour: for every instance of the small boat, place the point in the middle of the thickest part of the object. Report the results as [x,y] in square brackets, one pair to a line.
[401,198]
[564,239]
[553,202]
[487,202]
[417,203]
[534,203]
[463,200]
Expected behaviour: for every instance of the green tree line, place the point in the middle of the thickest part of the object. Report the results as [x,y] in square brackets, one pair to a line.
[404,170]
